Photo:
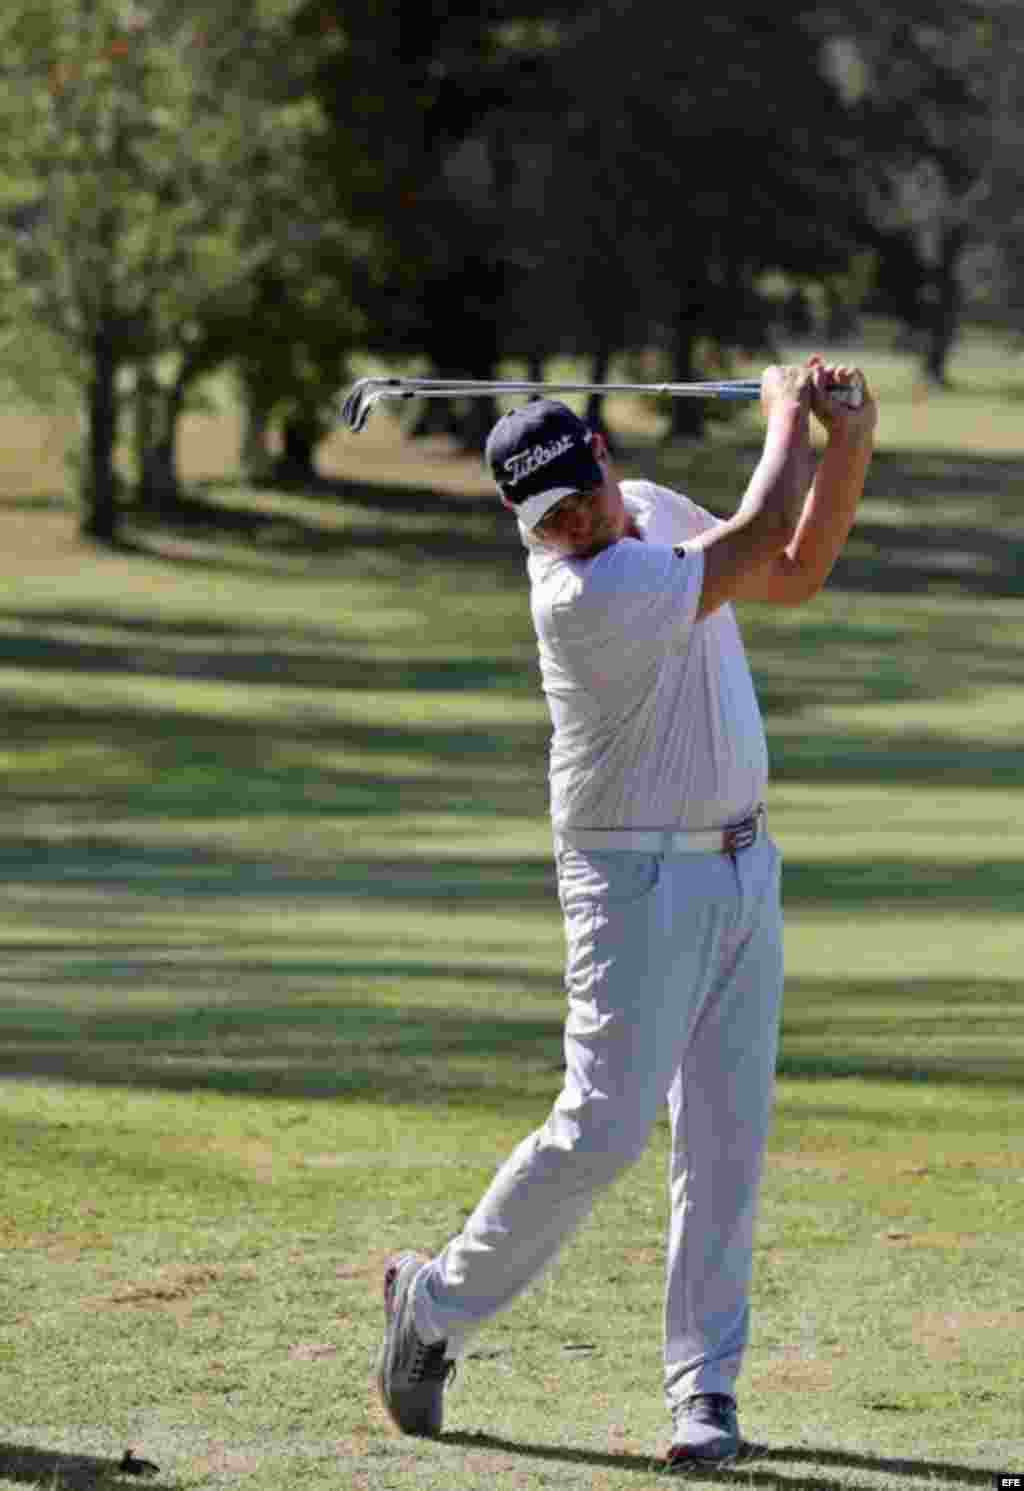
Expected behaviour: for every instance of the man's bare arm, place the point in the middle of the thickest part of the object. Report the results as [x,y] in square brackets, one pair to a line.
[800,571]
[737,551]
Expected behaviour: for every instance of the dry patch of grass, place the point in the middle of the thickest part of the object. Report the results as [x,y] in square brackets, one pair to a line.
[918,1162]
[952,1241]
[946,1336]
[173,1286]
[260,1159]
[791,1372]
[33,447]
[46,543]
[223,1461]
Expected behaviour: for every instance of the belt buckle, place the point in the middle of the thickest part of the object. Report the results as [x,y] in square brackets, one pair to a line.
[740,836]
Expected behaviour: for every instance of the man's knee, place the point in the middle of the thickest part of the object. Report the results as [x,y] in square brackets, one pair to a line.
[597,1147]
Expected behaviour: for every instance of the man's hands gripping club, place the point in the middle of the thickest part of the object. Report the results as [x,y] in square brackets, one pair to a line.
[793,519]
[845,408]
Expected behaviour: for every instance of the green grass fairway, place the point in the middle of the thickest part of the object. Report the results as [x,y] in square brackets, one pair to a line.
[282,981]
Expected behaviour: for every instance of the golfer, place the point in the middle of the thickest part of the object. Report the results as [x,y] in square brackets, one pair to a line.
[668,881]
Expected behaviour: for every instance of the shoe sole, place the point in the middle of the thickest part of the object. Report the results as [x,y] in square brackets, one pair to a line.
[689,1464]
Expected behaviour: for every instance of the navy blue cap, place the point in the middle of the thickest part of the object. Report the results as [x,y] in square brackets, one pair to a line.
[539,454]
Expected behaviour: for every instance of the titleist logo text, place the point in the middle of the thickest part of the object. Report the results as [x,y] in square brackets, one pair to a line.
[525,462]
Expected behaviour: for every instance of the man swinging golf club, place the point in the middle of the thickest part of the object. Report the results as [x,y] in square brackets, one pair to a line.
[668,881]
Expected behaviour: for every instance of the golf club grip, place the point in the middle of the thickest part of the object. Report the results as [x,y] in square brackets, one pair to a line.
[851,394]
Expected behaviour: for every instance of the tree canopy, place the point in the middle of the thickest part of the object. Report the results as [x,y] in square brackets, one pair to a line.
[153,162]
[275,184]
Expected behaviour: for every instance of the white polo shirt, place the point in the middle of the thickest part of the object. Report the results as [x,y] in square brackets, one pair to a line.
[656,722]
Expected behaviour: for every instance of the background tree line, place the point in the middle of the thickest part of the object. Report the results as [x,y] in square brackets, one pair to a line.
[270,186]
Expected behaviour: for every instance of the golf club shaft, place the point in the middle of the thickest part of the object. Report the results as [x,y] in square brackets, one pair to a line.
[369,391]
[455,388]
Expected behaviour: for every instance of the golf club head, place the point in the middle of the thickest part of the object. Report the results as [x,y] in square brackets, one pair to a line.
[359,404]
[365,395]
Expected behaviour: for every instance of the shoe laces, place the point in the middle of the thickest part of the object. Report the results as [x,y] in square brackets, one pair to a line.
[710,1408]
[429,1364]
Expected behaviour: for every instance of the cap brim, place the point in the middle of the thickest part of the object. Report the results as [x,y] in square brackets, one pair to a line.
[533,509]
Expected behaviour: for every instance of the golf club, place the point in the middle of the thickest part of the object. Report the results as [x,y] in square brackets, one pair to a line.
[368,392]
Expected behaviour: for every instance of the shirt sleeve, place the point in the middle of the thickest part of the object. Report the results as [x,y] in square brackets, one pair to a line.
[691,519]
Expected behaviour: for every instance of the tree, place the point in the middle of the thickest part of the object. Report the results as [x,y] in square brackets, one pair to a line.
[671,202]
[138,141]
[537,178]
[921,72]
[291,353]
[998,223]
[421,97]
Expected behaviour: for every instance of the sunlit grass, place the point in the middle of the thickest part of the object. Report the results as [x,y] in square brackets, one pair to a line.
[282,986]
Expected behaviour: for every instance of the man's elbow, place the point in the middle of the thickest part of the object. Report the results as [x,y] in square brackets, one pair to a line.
[801,587]
[780,526]
[792,585]
[798,596]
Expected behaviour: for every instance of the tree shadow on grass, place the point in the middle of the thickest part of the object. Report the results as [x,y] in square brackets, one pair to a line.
[308,1028]
[333,1049]
[853,662]
[356,516]
[135,869]
[469,547]
[920,551]
[820,756]
[900,886]
[748,1471]
[146,648]
[150,872]
[983,556]
[386,498]
[296,764]
[968,1032]
[202,764]
[59,1469]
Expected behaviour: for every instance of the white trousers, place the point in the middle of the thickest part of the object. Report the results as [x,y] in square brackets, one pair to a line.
[674,981]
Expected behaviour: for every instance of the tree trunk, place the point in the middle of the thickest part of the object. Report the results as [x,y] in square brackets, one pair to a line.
[594,415]
[942,304]
[144,418]
[436,416]
[480,419]
[484,355]
[254,455]
[99,483]
[159,483]
[466,422]
[300,437]
[160,488]
[841,318]
[686,416]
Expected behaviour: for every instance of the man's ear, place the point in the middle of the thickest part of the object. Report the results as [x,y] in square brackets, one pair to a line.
[576,525]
